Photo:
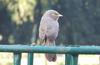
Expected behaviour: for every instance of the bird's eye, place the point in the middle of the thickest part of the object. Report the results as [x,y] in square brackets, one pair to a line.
[55,14]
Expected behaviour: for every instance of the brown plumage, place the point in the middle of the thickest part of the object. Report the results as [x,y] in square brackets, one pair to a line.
[48,30]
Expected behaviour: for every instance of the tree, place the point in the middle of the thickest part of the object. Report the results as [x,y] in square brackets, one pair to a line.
[21,21]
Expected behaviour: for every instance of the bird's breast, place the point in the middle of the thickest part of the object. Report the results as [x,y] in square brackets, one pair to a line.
[52,29]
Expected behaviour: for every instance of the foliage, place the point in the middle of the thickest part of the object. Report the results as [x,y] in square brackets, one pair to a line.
[20,9]
[20,15]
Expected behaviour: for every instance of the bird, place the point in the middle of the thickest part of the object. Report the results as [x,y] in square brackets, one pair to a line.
[48,31]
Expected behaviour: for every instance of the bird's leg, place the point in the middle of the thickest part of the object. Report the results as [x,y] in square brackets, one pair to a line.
[44,41]
[39,41]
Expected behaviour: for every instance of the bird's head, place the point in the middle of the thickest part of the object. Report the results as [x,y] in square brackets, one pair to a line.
[53,14]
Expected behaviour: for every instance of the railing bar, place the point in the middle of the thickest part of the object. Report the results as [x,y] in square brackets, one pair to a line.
[17,58]
[51,49]
[75,59]
[71,59]
[30,58]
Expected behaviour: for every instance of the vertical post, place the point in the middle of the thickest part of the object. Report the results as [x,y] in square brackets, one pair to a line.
[30,58]
[17,58]
[71,59]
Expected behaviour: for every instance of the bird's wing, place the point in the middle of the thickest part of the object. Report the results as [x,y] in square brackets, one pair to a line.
[42,28]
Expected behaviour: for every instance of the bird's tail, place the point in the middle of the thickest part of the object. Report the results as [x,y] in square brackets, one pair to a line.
[50,57]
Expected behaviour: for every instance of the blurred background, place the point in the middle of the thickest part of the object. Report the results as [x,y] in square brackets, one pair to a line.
[19,21]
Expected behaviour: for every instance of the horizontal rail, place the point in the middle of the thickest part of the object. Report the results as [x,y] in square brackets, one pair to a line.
[51,49]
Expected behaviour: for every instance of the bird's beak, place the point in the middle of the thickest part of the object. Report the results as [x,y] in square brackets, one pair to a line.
[60,15]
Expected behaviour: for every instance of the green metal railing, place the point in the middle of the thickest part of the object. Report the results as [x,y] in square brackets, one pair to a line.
[71,52]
